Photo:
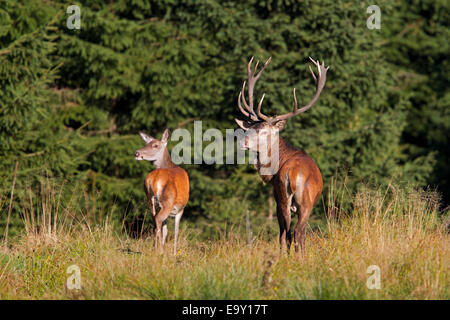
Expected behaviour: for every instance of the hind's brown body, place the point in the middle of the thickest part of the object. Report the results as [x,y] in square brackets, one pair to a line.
[169,187]
[166,187]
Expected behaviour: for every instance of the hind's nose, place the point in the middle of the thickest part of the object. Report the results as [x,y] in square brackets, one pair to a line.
[136,154]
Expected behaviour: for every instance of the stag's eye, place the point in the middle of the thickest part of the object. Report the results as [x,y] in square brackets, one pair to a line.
[155,146]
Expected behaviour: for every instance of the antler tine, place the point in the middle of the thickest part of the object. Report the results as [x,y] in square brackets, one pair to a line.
[243,97]
[251,83]
[249,106]
[245,113]
[320,82]
[252,78]
[251,114]
[249,69]
[295,100]
[312,72]
[258,110]
[256,67]
[262,69]
[249,64]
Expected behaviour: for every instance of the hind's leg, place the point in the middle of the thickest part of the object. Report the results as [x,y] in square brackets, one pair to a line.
[177,227]
[164,232]
[151,204]
[160,219]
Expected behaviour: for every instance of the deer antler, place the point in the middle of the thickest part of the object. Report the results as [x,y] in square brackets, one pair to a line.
[320,82]
[252,78]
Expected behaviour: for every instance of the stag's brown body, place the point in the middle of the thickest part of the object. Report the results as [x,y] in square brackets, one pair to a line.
[295,177]
[297,187]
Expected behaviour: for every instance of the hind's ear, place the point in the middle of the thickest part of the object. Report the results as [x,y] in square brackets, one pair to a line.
[165,136]
[145,137]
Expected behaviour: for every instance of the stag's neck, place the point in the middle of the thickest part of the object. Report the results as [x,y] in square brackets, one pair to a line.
[285,152]
[165,161]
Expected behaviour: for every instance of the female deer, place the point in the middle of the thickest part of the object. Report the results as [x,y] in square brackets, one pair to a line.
[166,187]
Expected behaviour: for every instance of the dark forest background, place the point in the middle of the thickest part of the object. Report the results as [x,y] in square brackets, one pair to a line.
[73,101]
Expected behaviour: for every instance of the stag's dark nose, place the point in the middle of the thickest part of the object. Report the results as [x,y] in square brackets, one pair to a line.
[136,154]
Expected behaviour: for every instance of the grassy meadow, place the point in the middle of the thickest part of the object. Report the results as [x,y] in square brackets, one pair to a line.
[399,230]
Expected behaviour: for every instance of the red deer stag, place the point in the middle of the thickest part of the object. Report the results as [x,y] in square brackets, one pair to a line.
[166,187]
[296,179]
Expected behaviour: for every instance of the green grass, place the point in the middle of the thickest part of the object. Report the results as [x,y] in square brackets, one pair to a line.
[398,230]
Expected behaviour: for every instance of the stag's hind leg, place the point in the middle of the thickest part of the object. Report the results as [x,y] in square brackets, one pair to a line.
[304,211]
[300,229]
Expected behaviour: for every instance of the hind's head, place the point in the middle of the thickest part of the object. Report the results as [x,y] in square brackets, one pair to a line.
[154,148]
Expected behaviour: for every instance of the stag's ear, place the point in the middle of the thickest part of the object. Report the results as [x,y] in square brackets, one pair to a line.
[145,137]
[244,125]
[280,124]
[165,136]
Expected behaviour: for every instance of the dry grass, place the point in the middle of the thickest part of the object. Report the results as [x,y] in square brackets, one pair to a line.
[401,231]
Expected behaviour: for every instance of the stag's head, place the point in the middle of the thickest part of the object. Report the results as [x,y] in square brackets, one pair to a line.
[154,148]
[260,129]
